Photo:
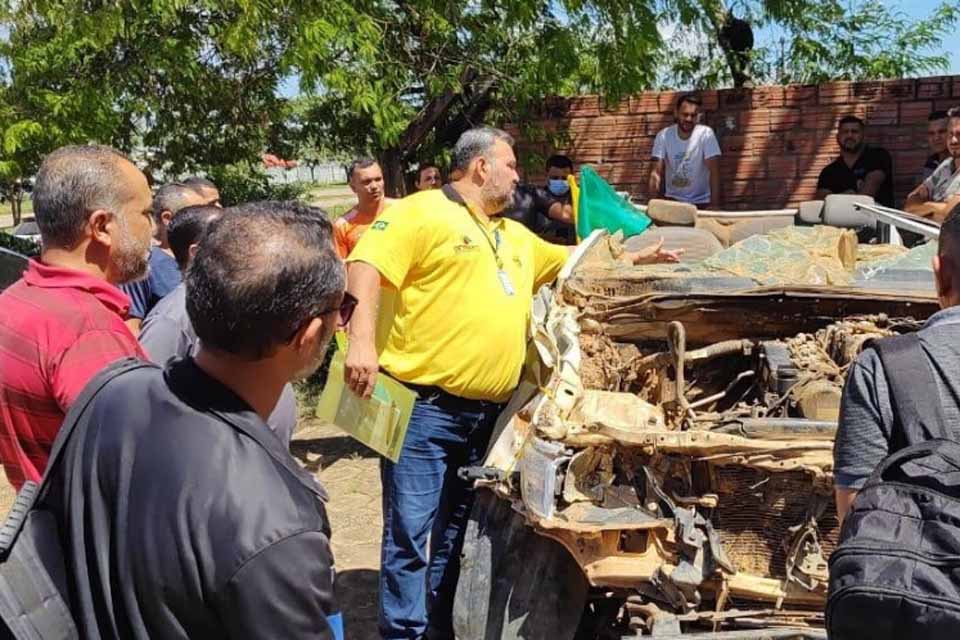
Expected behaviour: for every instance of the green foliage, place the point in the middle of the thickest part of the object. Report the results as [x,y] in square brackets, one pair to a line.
[807,41]
[187,86]
[20,245]
[243,183]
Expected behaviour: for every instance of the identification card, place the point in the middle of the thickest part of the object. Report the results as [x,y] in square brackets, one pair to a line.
[505,282]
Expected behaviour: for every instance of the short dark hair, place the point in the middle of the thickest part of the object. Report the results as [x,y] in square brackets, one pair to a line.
[937,115]
[174,196]
[427,165]
[359,163]
[950,232]
[199,182]
[187,227]
[560,161]
[262,271]
[476,142]
[692,98]
[73,182]
[850,119]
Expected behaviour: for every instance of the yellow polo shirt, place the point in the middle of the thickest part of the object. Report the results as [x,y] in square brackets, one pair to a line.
[459,323]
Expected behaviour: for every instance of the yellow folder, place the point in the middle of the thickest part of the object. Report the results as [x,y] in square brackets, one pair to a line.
[379,422]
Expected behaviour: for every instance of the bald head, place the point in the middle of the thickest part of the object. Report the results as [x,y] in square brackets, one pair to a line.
[174,196]
[75,181]
[262,271]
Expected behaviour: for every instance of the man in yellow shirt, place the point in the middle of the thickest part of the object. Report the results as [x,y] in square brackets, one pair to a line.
[464,278]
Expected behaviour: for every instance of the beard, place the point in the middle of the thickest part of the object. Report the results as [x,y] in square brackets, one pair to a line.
[316,359]
[132,256]
[496,197]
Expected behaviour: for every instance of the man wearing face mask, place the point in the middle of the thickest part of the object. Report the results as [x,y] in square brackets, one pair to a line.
[464,278]
[546,211]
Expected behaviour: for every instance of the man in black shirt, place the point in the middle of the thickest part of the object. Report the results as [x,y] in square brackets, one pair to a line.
[180,513]
[859,169]
[547,211]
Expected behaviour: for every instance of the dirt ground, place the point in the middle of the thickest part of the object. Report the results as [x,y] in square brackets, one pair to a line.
[349,471]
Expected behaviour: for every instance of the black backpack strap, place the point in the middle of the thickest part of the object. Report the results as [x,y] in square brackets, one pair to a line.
[917,409]
[30,493]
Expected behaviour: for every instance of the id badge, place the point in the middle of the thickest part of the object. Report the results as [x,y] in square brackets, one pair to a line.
[505,282]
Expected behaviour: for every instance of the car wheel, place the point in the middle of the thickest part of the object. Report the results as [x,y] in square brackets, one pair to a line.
[514,583]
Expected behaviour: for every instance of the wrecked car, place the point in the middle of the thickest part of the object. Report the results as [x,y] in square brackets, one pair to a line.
[665,467]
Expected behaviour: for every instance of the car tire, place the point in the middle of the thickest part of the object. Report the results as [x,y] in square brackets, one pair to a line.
[697,244]
[514,584]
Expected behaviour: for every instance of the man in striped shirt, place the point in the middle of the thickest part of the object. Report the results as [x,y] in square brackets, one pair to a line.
[64,320]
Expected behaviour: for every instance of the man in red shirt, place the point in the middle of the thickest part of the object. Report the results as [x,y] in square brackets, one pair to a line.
[64,320]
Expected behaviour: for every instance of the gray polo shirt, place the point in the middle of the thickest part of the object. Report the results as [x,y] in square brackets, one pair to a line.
[866,413]
[168,333]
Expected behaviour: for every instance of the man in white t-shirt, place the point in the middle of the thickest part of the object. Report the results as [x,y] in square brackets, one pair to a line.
[686,155]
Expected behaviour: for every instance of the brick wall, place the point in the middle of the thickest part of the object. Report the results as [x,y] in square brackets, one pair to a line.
[775,140]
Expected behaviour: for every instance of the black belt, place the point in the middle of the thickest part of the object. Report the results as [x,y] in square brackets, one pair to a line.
[439,397]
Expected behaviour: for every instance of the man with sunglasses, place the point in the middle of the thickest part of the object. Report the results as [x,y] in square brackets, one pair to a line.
[180,514]
[164,276]
[464,278]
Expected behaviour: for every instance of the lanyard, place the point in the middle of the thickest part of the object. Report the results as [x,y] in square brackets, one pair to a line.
[496,234]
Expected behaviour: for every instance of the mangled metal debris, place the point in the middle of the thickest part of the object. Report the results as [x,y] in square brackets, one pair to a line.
[677,435]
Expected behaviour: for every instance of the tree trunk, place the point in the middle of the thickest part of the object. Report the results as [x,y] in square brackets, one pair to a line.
[16,203]
[392,163]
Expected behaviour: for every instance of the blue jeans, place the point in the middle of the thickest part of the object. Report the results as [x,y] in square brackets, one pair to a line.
[424,502]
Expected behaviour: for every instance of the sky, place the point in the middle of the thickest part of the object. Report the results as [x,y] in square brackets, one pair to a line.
[923,8]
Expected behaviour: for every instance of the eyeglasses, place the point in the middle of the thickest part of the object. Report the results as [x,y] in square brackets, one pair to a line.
[347,306]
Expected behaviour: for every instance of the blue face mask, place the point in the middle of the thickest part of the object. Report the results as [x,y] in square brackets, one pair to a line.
[558,187]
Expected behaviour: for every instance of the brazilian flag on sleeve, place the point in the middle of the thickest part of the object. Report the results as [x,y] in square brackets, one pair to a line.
[597,206]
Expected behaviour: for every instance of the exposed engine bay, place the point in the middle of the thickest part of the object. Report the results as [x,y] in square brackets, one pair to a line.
[676,438]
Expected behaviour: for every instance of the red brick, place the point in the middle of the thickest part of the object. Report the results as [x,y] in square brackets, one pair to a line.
[821,118]
[584,106]
[725,122]
[781,167]
[628,172]
[733,99]
[711,101]
[766,97]
[933,87]
[743,168]
[737,190]
[755,121]
[915,112]
[658,121]
[834,93]
[645,102]
[615,107]
[881,115]
[631,126]
[955,91]
[894,140]
[809,167]
[945,105]
[770,193]
[628,150]
[784,120]
[667,101]
[899,90]
[867,91]
[796,95]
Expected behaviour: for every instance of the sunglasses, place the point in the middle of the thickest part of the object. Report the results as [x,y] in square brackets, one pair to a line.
[347,306]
